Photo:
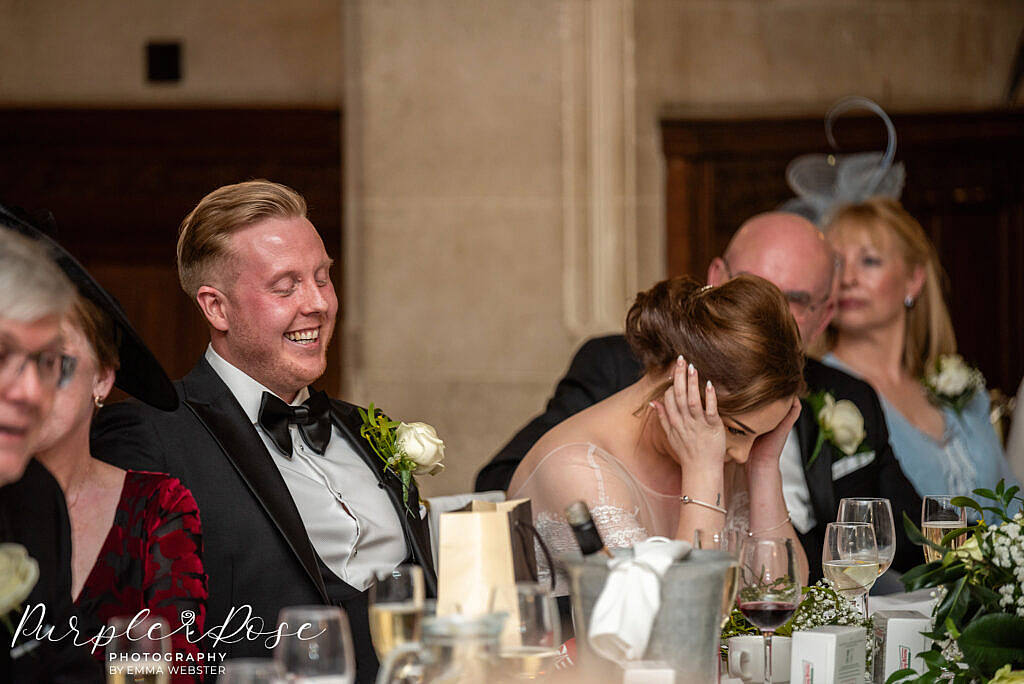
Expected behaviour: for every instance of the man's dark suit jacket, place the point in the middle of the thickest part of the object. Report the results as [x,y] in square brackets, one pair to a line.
[256,550]
[605,365]
[33,514]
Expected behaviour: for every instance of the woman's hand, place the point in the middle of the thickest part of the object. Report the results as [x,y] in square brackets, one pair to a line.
[695,433]
[767,448]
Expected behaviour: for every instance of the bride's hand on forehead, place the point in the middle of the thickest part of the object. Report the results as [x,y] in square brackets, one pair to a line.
[768,447]
[694,430]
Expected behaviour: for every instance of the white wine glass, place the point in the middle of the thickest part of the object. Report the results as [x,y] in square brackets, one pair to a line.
[531,639]
[878,513]
[717,540]
[938,517]
[396,607]
[769,588]
[317,646]
[138,651]
[849,560]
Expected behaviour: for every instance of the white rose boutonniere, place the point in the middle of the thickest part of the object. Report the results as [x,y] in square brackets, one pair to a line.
[407,449]
[952,382]
[839,422]
[19,572]
[421,444]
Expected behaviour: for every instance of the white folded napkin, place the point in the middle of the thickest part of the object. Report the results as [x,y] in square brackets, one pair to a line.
[621,621]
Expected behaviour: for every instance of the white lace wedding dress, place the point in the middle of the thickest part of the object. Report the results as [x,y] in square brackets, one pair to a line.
[624,509]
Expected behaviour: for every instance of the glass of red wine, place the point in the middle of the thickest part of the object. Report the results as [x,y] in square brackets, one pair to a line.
[769,588]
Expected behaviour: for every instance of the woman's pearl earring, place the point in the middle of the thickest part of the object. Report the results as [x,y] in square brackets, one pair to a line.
[908,302]
[98,400]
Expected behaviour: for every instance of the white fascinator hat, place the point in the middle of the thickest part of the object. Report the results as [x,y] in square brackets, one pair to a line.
[824,182]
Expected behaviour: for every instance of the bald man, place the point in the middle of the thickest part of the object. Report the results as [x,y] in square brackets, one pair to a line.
[789,251]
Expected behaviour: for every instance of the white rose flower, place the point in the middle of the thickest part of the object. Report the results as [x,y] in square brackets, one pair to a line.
[18,574]
[845,422]
[954,376]
[421,444]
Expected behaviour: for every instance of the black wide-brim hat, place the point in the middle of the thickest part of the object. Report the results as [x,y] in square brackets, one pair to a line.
[139,374]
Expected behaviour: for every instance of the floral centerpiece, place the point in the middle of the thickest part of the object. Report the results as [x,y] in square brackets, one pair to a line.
[951,382]
[820,605]
[978,621]
[407,449]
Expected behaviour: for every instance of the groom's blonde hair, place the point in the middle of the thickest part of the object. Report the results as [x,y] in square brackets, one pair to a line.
[203,239]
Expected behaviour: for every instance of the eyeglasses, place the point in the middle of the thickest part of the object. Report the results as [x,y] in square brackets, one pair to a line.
[799,300]
[52,367]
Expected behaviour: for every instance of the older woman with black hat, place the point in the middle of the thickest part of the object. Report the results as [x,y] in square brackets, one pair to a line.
[135,536]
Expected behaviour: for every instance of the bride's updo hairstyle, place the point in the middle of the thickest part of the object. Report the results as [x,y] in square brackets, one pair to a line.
[739,335]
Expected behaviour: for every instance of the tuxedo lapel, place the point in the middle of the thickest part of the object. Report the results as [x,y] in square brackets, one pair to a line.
[819,474]
[346,418]
[212,402]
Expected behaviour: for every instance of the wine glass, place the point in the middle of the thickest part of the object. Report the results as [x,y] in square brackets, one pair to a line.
[938,517]
[849,560]
[877,512]
[716,540]
[532,637]
[316,645]
[769,588]
[396,604]
[138,650]
[251,671]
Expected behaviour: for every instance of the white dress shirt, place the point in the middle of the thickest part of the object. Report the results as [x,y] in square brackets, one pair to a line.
[349,519]
[794,486]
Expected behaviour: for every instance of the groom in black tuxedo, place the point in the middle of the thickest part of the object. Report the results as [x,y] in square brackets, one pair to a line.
[295,507]
[789,251]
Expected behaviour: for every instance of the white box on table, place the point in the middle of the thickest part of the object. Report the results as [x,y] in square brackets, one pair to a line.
[898,640]
[828,655]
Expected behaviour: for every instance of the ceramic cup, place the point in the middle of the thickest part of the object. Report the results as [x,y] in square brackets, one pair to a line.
[746,658]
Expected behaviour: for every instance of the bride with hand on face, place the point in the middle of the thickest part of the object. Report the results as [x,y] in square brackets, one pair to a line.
[695,442]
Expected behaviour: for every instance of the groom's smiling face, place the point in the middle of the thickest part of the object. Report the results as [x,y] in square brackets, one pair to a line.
[280,304]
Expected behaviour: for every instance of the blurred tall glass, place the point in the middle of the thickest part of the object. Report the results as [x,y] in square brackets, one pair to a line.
[938,517]
[396,604]
[532,637]
[321,652]
[138,651]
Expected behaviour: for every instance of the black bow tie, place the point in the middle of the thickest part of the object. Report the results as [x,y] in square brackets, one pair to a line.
[313,418]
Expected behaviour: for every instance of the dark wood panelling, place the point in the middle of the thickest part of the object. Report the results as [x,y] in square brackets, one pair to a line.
[965,183]
[120,181]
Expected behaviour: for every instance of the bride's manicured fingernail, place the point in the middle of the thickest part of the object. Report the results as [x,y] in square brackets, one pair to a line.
[652,405]
[680,360]
[692,369]
[709,386]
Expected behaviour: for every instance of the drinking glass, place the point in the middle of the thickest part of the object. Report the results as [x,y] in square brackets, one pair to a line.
[396,604]
[251,671]
[532,636]
[877,512]
[849,560]
[138,650]
[938,517]
[717,540]
[769,588]
[318,645]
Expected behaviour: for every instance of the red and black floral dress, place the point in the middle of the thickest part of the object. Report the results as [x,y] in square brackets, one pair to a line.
[152,559]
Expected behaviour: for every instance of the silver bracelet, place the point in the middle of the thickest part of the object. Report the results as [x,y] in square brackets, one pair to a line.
[687,500]
[768,529]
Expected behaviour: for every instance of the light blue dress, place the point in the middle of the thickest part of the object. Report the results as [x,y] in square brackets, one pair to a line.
[968,457]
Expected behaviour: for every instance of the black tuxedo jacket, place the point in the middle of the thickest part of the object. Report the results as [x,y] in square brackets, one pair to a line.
[256,551]
[605,365]
[33,514]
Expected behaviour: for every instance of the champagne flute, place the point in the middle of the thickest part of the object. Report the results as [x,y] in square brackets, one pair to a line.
[532,637]
[718,541]
[770,588]
[138,651]
[877,512]
[251,671]
[938,517]
[849,560]
[396,607]
[317,646]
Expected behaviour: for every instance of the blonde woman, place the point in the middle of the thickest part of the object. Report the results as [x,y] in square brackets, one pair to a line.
[892,324]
